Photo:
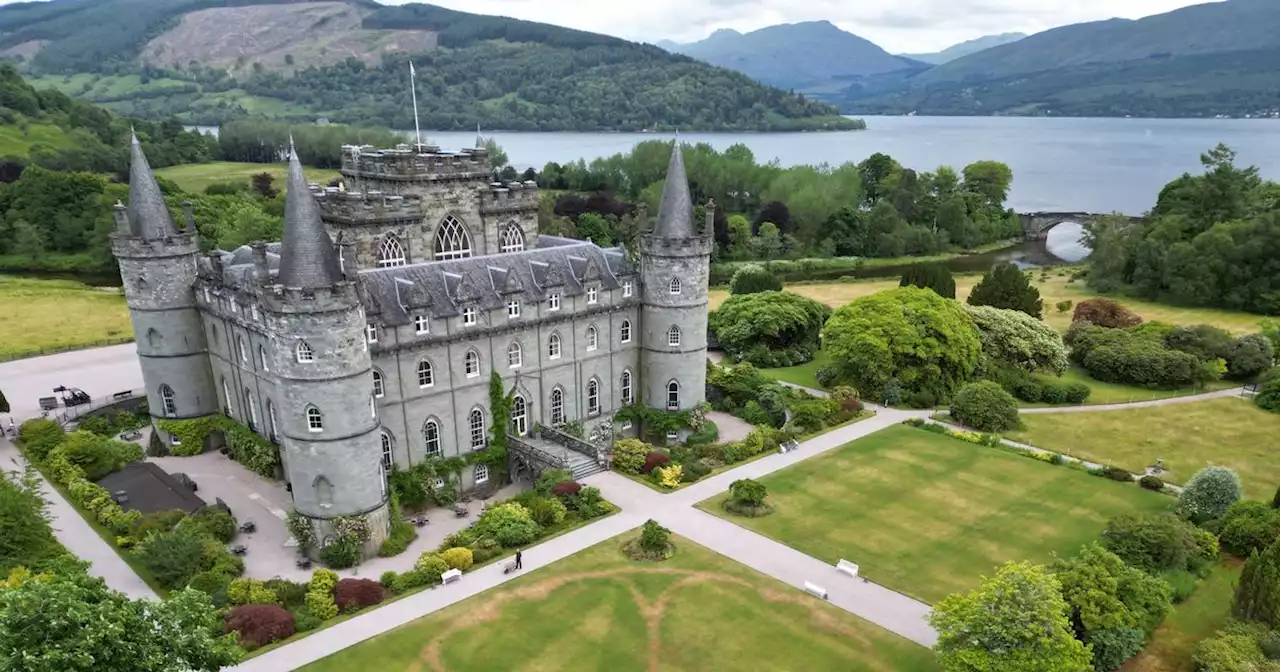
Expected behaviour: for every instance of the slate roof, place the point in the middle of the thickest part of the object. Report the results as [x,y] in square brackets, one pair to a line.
[237,265]
[675,214]
[308,259]
[150,489]
[149,217]
[442,289]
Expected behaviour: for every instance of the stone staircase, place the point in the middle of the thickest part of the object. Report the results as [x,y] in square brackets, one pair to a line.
[582,466]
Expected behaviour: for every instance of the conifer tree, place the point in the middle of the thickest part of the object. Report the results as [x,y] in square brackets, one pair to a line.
[931,276]
[1006,286]
[1258,592]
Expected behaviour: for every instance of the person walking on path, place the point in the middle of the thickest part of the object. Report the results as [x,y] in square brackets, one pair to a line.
[519,560]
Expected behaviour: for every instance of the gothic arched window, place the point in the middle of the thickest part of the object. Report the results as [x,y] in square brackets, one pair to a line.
[593,397]
[557,407]
[387,451]
[452,239]
[379,386]
[431,434]
[673,396]
[626,386]
[390,252]
[305,353]
[673,336]
[519,416]
[675,285]
[169,401]
[476,422]
[512,238]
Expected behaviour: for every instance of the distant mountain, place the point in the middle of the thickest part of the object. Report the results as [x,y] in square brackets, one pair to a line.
[210,61]
[1214,59]
[812,57]
[965,48]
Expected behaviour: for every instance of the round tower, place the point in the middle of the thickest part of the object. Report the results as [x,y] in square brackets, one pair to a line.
[158,265]
[675,263]
[332,451]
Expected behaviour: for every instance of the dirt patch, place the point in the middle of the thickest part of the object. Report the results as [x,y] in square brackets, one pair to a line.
[26,50]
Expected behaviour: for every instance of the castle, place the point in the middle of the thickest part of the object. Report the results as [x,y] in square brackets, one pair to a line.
[367,337]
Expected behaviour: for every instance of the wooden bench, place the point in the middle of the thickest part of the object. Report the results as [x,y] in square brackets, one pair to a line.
[815,590]
[846,567]
[450,576]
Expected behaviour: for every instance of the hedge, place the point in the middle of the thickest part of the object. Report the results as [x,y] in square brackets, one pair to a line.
[243,444]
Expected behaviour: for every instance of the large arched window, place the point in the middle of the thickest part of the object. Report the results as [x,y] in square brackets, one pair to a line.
[379,386]
[519,416]
[673,396]
[557,407]
[675,285]
[452,239]
[626,386]
[476,422]
[553,347]
[388,451]
[426,375]
[305,353]
[625,331]
[253,409]
[593,397]
[431,434]
[169,402]
[593,338]
[471,363]
[315,421]
[673,336]
[390,252]
[512,238]
[515,356]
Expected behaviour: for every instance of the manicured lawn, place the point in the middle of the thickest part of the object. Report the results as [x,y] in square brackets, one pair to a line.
[195,177]
[1230,432]
[1110,393]
[805,375]
[928,515]
[14,142]
[1174,642]
[597,610]
[51,315]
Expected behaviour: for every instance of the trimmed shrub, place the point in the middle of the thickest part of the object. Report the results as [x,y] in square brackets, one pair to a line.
[458,558]
[39,437]
[1210,492]
[753,278]
[1105,313]
[827,376]
[431,566]
[356,594]
[1159,542]
[1230,651]
[402,534]
[509,524]
[288,593]
[1151,483]
[653,460]
[96,455]
[1249,357]
[986,407]
[547,511]
[1006,286]
[566,489]
[1267,396]
[1014,338]
[629,455]
[930,276]
[319,601]
[670,476]
[1181,582]
[172,557]
[259,624]
[1113,646]
[413,579]
[769,329]
[388,579]
[342,552]
[1249,526]
[654,543]
[217,522]
[213,584]
[250,591]
[1117,474]
[459,539]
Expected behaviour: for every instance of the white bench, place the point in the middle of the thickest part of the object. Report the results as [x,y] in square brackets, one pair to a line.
[846,567]
[815,590]
[450,576]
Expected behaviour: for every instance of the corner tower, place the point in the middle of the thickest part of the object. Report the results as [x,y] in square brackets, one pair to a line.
[158,266]
[675,262]
[332,451]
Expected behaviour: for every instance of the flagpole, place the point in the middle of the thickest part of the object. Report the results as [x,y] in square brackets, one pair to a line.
[413,87]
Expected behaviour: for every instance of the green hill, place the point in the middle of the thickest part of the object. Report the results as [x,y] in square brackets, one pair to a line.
[347,60]
[965,48]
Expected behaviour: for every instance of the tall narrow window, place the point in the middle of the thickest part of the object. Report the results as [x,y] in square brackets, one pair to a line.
[482,474]
[371,332]
[315,421]
[515,356]
[673,396]
[226,399]
[557,407]
[379,387]
[553,302]
[244,353]
[468,317]
[471,364]
[262,357]
[273,426]
[476,421]
[626,289]
[387,451]
[421,325]
[625,331]
[452,239]
[675,285]
[553,347]
[512,238]
[305,354]
[593,295]
[593,397]
[593,338]
[431,434]
[390,253]
[426,375]
[626,387]
[169,401]
[324,492]
[513,309]
[519,416]
[673,336]
[253,410]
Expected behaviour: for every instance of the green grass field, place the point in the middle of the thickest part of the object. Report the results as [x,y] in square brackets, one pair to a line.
[15,142]
[597,610]
[1174,643]
[195,177]
[50,315]
[927,515]
[1229,432]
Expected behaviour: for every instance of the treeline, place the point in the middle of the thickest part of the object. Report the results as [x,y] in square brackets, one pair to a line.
[319,146]
[876,208]
[1211,240]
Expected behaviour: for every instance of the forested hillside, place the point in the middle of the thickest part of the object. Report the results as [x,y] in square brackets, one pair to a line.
[497,72]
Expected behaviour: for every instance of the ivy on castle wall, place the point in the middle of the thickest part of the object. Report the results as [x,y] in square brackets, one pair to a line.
[656,423]
[243,444]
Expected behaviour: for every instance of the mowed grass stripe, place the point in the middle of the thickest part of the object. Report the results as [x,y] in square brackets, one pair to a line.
[928,515]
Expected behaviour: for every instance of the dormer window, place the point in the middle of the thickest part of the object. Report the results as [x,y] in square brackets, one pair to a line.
[371,332]
[421,325]
[626,289]
[513,309]
[593,295]
[553,302]
[469,317]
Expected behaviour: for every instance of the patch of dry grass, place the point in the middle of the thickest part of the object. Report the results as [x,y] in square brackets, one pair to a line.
[52,315]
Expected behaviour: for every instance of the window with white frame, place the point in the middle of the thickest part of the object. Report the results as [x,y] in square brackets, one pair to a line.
[675,285]
[471,364]
[626,425]
[387,451]
[553,347]
[673,336]
[593,295]
[431,434]
[373,407]
[476,422]
[515,356]
[253,409]
[626,289]
[262,358]
[512,239]
[673,396]
[557,407]
[315,421]
[244,353]
[426,374]
[593,397]
[673,436]
[593,338]
[390,253]
[271,419]
[439,483]
[519,416]
[482,474]
[226,399]
[421,325]
[379,387]
[468,317]
[625,331]
[453,241]
[553,302]
[169,401]
[513,309]
[626,386]
[371,332]
[304,353]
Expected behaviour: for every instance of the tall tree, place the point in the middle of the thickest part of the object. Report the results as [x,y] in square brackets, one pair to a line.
[1006,286]
[930,276]
[1257,595]
[875,171]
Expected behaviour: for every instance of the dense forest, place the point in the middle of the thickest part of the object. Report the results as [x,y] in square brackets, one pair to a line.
[1211,240]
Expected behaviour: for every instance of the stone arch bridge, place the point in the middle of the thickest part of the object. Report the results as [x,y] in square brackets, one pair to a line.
[1036,225]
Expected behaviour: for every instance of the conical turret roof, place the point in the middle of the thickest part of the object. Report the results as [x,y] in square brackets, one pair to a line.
[675,214]
[307,257]
[149,217]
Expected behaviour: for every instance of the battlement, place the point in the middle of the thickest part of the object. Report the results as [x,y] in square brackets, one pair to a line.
[373,207]
[176,245]
[405,163]
[281,299]
[660,246]
[509,197]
